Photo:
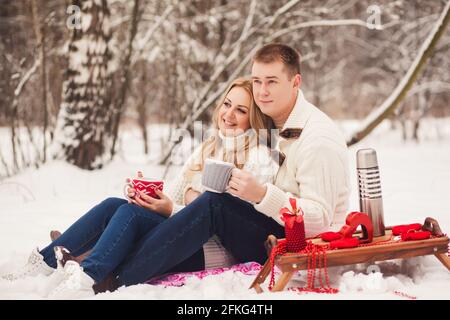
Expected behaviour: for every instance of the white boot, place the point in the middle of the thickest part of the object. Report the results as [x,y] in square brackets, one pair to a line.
[54,280]
[35,266]
[75,285]
[58,276]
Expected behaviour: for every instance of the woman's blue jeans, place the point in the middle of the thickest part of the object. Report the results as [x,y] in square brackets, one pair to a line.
[112,228]
[136,244]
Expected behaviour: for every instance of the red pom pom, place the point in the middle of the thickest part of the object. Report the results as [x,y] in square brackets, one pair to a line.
[416,235]
[404,228]
[344,243]
[330,236]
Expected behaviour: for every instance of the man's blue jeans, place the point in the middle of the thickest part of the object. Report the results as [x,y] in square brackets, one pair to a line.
[241,228]
[112,228]
[137,244]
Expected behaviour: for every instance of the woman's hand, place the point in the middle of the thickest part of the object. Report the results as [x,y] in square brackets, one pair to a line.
[131,192]
[163,206]
[190,196]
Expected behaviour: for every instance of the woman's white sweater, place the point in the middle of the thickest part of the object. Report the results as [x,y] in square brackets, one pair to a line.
[259,163]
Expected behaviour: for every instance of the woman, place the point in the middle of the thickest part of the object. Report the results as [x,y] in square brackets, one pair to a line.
[112,228]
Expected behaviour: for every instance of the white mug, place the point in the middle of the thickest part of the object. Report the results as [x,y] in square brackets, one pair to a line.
[216,175]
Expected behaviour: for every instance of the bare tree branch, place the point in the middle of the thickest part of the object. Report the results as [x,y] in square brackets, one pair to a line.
[399,93]
[328,23]
[150,33]
[26,77]
[199,107]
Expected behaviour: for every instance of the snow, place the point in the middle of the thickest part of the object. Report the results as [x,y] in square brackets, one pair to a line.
[415,180]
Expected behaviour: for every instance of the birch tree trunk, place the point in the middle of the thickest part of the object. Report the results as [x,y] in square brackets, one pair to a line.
[83,135]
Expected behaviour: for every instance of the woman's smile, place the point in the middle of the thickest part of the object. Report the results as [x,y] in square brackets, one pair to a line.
[228,124]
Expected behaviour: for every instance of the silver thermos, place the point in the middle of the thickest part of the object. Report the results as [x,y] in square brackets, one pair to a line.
[369,186]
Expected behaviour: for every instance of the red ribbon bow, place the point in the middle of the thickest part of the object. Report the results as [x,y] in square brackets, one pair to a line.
[289,217]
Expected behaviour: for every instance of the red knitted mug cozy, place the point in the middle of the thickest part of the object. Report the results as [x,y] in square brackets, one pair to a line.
[294,227]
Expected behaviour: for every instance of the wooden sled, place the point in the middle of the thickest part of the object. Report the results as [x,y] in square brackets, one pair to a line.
[386,250]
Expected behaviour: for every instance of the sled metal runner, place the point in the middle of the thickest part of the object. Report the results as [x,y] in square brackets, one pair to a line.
[381,249]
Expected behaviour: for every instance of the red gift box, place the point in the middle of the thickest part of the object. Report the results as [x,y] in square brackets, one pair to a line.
[294,227]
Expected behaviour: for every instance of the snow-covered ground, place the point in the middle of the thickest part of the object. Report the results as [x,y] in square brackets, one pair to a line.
[415,183]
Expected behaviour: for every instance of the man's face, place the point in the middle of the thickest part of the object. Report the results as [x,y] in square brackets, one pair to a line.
[273,88]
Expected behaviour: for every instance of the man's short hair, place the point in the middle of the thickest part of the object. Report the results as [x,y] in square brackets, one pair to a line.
[280,52]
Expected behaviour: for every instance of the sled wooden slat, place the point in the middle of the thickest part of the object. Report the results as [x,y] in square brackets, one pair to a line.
[385,250]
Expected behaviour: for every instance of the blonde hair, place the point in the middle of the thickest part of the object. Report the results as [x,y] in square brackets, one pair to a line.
[257,119]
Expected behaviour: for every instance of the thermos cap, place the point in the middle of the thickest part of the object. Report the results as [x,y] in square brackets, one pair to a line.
[366,158]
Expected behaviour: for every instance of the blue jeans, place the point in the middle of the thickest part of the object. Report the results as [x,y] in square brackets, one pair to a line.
[136,244]
[112,228]
[241,228]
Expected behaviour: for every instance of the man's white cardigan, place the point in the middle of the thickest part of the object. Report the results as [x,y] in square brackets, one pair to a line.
[315,171]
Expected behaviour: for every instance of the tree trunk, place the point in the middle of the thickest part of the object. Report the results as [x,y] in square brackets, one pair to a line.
[83,135]
[118,107]
[40,39]
[142,110]
[13,121]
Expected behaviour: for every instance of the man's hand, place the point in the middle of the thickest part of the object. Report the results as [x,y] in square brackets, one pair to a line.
[245,186]
[163,206]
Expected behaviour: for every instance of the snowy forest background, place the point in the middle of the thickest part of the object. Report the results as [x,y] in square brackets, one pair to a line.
[92,91]
[75,75]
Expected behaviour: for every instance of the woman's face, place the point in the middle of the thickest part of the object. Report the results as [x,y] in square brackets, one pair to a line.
[234,113]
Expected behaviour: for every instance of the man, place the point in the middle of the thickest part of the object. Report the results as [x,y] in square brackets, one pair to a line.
[314,171]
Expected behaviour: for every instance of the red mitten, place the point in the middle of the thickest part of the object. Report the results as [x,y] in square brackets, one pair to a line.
[330,236]
[344,243]
[404,228]
[416,235]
